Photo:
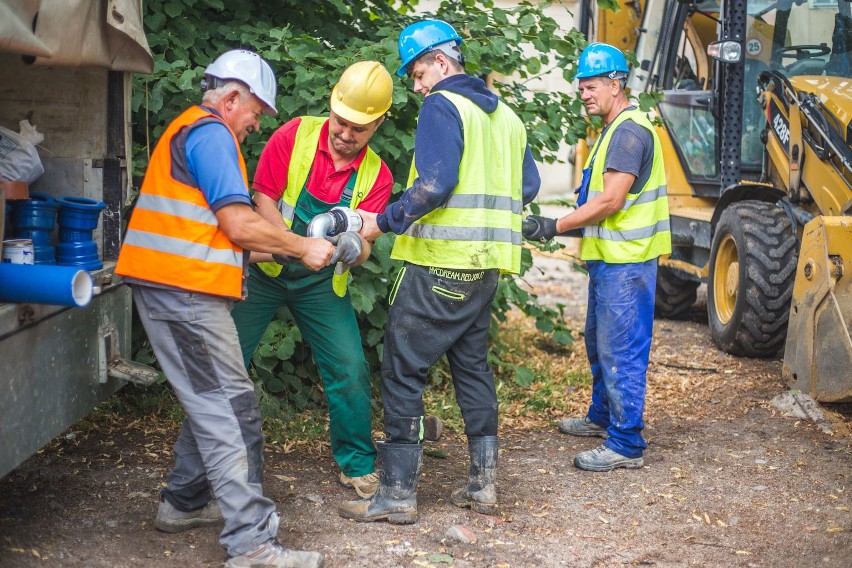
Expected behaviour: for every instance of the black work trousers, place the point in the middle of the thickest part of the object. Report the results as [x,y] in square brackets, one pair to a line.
[435,311]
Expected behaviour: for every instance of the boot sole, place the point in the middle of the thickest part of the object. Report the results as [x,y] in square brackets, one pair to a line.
[610,467]
[585,434]
[475,506]
[392,518]
[178,528]
[402,519]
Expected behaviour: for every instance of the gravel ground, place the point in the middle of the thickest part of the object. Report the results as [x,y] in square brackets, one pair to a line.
[729,480]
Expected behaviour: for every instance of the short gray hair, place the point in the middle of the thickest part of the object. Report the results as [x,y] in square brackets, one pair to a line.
[213,96]
[621,77]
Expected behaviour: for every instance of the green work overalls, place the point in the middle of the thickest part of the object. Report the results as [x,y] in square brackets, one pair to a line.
[328,325]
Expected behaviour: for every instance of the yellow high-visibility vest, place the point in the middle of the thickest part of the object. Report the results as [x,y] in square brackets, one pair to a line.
[641,230]
[304,150]
[479,226]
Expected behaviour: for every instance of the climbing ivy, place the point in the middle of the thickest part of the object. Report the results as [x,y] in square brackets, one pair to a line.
[309,44]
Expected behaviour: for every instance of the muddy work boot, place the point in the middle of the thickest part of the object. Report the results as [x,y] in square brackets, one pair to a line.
[364,485]
[582,427]
[395,501]
[481,491]
[604,458]
[273,553]
[171,520]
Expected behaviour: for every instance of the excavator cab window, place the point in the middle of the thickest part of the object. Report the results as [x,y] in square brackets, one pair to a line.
[685,78]
[801,37]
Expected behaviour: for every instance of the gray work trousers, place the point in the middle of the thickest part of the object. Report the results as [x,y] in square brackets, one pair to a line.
[220,446]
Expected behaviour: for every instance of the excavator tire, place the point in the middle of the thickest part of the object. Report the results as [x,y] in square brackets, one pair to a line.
[750,285]
[675,295]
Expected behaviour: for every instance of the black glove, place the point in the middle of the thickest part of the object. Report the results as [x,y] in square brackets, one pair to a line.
[538,228]
[348,248]
[282,259]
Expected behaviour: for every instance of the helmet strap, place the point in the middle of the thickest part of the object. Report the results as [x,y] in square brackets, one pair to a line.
[450,49]
[210,83]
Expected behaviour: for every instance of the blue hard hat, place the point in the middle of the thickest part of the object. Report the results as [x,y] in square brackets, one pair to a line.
[419,37]
[601,59]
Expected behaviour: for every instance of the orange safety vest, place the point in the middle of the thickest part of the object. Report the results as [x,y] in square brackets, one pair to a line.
[173,237]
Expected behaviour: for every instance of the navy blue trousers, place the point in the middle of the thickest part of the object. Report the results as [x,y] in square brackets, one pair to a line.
[436,311]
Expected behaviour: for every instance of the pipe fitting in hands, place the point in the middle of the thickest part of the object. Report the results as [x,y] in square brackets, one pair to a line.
[334,222]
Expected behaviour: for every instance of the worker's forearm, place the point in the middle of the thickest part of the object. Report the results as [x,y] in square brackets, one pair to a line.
[259,235]
[267,208]
[249,230]
[260,257]
[583,216]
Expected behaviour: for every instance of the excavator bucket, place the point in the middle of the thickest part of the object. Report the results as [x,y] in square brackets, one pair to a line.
[818,352]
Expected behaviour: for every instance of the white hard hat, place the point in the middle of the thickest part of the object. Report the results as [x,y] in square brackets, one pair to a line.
[248,68]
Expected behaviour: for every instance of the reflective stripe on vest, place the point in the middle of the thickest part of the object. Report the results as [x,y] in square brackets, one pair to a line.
[479,226]
[641,230]
[305,148]
[173,237]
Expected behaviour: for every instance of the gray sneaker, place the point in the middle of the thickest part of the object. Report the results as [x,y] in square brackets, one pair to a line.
[274,554]
[582,427]
[603,458]
[171,520]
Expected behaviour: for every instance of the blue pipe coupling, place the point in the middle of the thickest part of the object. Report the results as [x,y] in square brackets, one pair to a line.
[78,217]
[44,284]
[35,219]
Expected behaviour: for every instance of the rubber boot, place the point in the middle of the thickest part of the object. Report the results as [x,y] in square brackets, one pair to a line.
[481,491]
[395,501]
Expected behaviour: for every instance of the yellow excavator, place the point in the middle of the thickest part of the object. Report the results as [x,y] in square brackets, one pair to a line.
[756,126]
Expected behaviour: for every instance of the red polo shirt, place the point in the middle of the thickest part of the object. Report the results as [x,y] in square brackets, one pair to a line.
[324,182]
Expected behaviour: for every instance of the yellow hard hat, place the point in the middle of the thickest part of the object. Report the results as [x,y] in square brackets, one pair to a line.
[364,92]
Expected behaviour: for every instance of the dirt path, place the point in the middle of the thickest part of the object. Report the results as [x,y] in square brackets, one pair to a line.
[729,481]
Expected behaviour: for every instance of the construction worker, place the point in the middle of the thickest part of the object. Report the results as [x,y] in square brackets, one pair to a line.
[459,227]
[183,257]
[625,218]
[309,166]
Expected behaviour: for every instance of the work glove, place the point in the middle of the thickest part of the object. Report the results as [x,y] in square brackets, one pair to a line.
[538,228]
[282,259]
[348,248]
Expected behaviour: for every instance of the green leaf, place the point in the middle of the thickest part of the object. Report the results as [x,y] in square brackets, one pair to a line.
[610,5]
[173,9]
[440,454]
[544,324]
[523,377]
[154,22]
[440,558]
[286,348]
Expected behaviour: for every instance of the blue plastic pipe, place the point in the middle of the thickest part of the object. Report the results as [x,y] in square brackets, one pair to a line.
[45,284]
[35,219]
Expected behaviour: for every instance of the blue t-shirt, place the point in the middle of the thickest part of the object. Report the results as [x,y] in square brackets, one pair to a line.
[212,161]
[631,151]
